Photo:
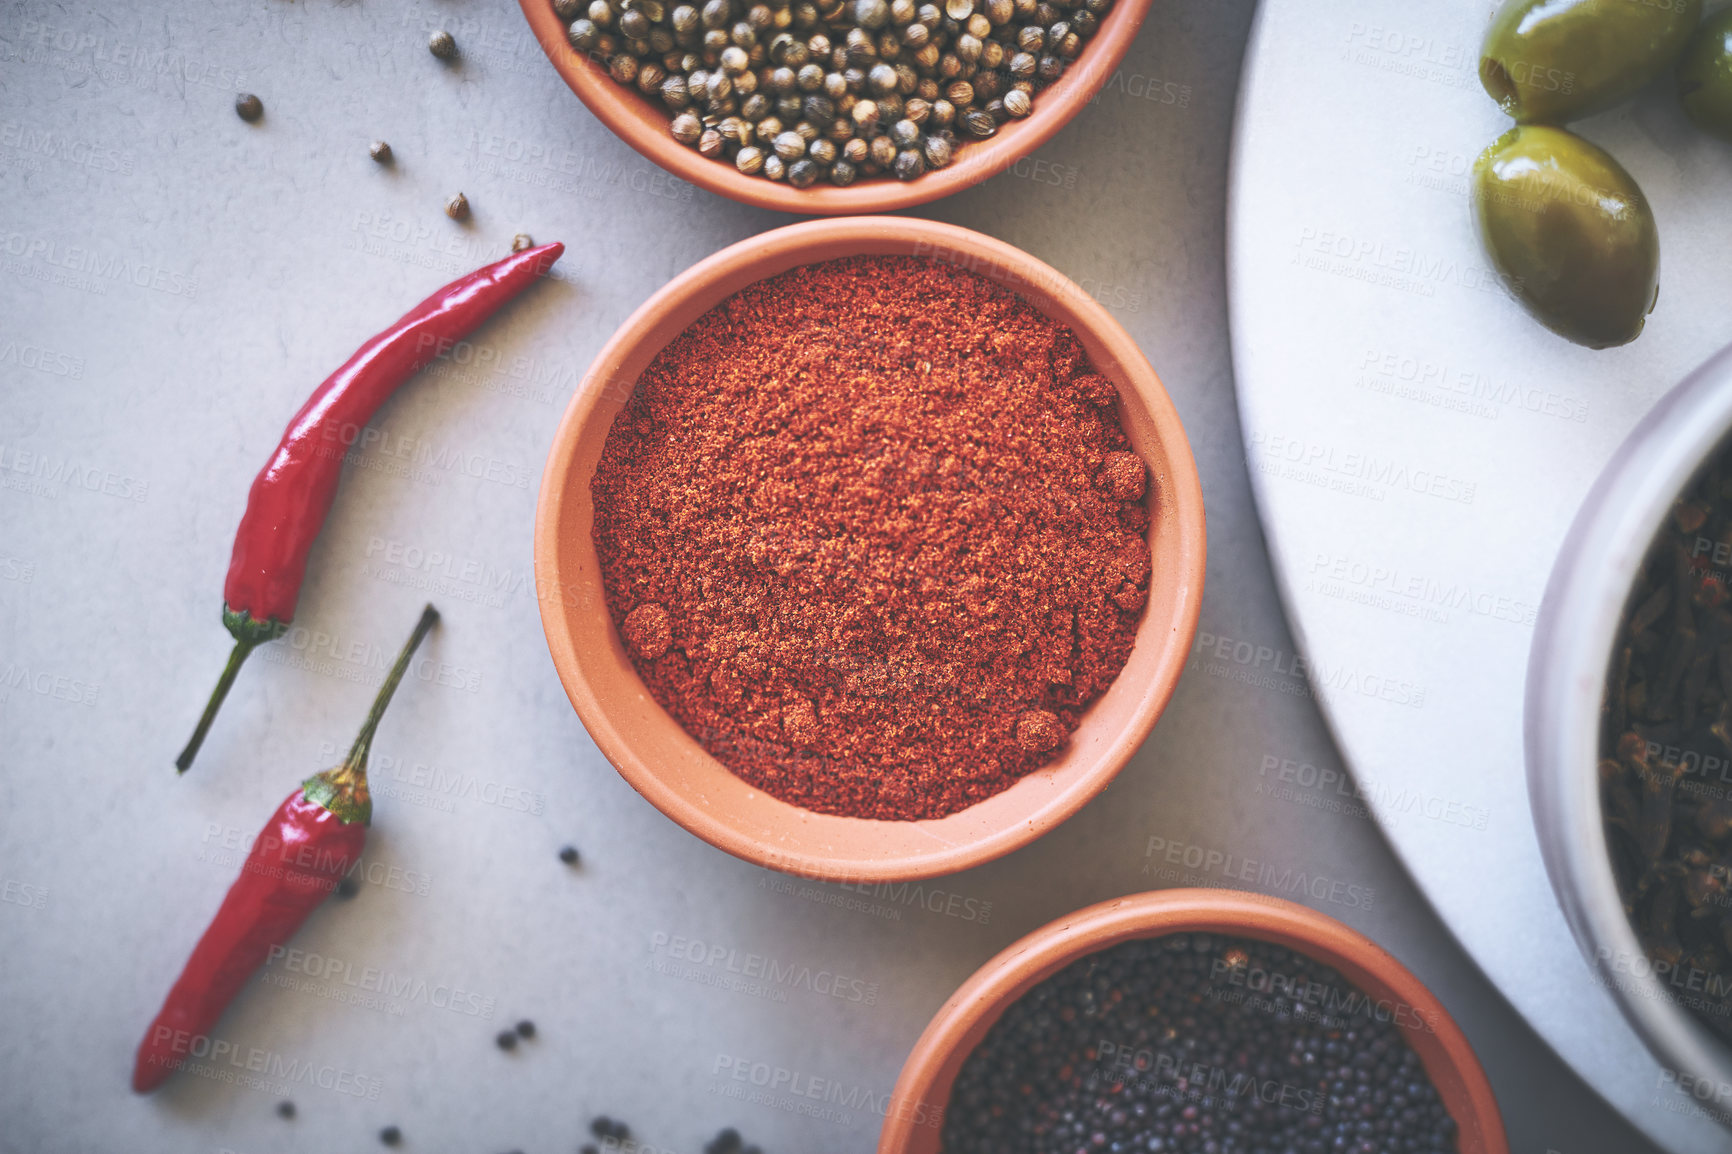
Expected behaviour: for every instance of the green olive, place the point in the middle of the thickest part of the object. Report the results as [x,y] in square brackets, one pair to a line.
[1705,76]
[1569,232]
[1551,61]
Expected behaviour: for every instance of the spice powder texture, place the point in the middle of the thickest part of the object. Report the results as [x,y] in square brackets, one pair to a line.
[873,534]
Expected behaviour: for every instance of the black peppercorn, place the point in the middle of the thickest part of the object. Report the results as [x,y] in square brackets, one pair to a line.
[526,1029]
[348,888]
[442,45]
[1194,1043]
[390,1136]
[725,1142]
[249,107]
[604,1128]
[285,1109]
[506,1040]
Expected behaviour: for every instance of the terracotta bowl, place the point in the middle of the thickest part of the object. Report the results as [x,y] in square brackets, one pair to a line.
[644,125]
[670,768]
[914,1119]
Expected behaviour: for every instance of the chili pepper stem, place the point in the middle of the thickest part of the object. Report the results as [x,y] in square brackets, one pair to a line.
[357,760]
[343,790]
[236,656]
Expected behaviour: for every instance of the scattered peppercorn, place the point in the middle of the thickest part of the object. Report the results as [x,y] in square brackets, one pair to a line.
[857,531]
[390,1136]
[506,1040]
[526,1029]
[285,1109]
[727,1141]
[569,855]
[1195,1042]
[348,888]
[522,241]
[249,107]
[442,45]
[604,1128]
[736,76]
[457,208]
[380,151]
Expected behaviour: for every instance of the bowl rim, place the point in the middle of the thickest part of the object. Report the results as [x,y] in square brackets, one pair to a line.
[623,110]
[1186,562]
[1580,614]
[979,1002]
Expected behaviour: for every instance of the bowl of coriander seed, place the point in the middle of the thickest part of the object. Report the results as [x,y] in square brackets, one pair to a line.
[835,106]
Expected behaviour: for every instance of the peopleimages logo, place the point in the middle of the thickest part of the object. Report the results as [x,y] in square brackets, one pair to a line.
[1177,1077]
[1340,1001]
[762,967]
[206,1056]
[372,979]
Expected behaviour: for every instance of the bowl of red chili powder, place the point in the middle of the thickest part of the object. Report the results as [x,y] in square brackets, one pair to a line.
[870,549]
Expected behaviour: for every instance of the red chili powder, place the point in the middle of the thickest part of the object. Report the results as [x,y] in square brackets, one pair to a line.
[872,533]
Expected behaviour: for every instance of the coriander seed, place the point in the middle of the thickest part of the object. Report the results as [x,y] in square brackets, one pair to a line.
[979,123]
[582,35]
[520,243]
[457,208]
[687,128]
[442,45]
[249,107]
[380,151]
[741,74]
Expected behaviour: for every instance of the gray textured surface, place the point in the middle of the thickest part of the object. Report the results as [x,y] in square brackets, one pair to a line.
[1420,446]
[173,282]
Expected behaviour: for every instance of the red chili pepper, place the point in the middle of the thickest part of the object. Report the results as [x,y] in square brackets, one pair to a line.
[313,839]
[291,495]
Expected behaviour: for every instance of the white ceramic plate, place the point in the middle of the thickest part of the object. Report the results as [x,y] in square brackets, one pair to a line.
[1419,445]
